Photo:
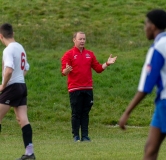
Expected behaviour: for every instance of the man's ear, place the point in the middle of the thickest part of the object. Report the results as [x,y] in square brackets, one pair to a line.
[1,36]
[153,27]
[74,40]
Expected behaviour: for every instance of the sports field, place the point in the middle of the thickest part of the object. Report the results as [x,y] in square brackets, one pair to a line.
[45,28]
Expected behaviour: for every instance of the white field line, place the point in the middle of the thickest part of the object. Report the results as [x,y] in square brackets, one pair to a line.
[117,126]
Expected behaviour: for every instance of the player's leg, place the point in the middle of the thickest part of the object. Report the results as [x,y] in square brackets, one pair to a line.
[88,102]
[157,131]
[3,110]
[153,144]
[4,103]
[21,115]
[76,101]
[22,118]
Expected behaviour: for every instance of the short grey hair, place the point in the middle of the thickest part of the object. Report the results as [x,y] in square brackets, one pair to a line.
[75,34]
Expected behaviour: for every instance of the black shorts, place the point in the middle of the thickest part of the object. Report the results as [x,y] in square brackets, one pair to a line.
[14,95]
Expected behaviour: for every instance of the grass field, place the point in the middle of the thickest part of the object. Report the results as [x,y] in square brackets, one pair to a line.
[45,29]
[54,142]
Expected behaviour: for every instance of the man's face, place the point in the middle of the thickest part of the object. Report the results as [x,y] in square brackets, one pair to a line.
[2,38]
[80,40]
[149,29]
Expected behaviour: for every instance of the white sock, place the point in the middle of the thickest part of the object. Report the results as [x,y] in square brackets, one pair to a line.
[29,149]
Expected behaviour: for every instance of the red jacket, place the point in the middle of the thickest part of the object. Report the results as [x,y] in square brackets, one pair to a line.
[81,76]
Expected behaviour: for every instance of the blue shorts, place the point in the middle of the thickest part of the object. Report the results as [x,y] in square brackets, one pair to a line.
[159,116]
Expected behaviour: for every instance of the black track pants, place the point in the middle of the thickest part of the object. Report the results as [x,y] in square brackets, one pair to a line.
[81,102]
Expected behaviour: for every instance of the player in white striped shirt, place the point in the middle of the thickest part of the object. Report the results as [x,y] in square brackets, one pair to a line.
[153,74]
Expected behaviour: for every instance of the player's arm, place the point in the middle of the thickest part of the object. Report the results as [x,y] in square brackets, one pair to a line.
[139,96]
[101,67]
[2,67]
[7,75]
[109,61]
[25,72]
[149,77]
[66,68]
[8,67]
[27,66]
[96,65]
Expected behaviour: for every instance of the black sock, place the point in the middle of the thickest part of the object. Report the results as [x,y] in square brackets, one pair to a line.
[27,134]
[0,127]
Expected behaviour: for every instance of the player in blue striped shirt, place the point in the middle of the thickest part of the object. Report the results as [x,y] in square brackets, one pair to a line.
[153,74]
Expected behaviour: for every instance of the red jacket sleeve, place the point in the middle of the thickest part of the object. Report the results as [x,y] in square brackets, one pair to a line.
[96,65]
[65,60]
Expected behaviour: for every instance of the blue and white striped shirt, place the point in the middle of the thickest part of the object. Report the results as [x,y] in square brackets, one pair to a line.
[154,69]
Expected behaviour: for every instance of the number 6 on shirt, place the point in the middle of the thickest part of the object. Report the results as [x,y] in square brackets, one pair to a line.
[22,60]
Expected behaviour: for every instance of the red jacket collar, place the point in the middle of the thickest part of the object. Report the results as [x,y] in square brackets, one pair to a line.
[76,49]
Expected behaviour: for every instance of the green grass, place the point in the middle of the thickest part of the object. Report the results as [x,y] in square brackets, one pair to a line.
[55,142]
[50,24]
[45,29]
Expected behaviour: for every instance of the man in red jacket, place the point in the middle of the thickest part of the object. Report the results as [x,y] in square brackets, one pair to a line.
[77,64]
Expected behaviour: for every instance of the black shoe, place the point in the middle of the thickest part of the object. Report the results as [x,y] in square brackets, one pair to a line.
[76,139]
[85,139]
[26,157]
